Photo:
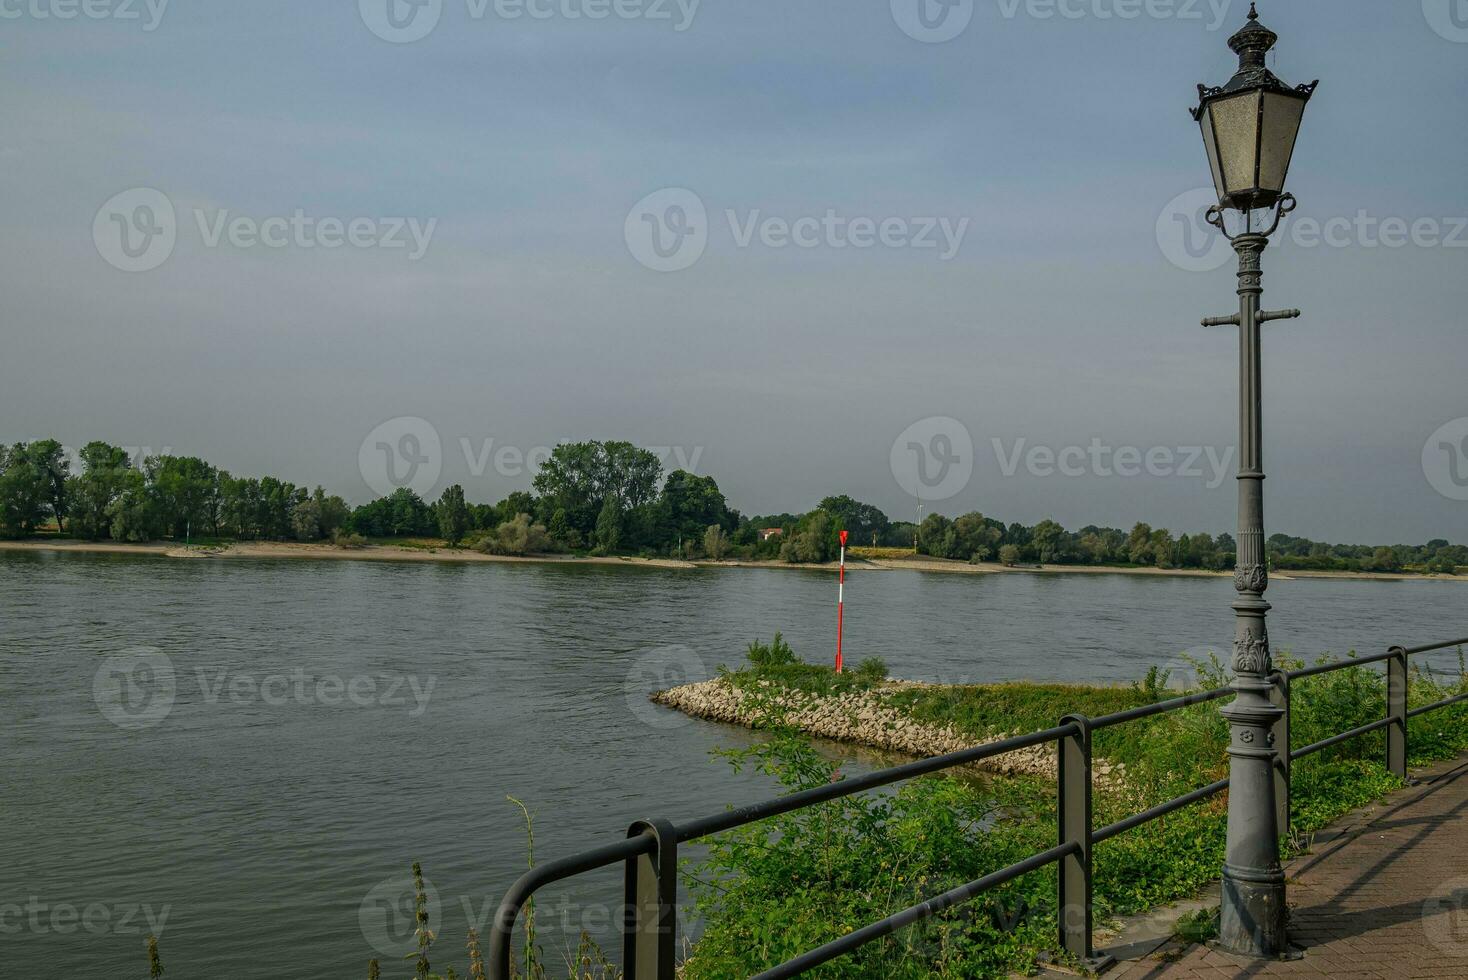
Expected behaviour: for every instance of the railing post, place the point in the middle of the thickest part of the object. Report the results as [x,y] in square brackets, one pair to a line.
[1396,711]
[1279,734]
[1074,818]
[650,915]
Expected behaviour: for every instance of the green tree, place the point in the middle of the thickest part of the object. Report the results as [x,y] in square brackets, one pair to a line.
[609,525]
[715,542]
[306,521]
[332,511]
[50,456]
[25,491]
[1009,554]
[812,541]
[561,530]
[1049,541]
[579,477]
[934,536]
[135,515]
[861,520]
[687,506]
[92,492]
[453,515]
[1139,545]
[188,494]
[1164,549]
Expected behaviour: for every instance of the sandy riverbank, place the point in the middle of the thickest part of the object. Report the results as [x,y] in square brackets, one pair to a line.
[394,552]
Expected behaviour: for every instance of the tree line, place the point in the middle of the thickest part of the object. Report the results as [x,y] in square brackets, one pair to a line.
[590,497]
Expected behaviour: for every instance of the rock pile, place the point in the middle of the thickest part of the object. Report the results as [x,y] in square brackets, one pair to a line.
[862,718]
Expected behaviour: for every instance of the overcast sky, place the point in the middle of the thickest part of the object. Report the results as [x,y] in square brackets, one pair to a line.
[1004,192]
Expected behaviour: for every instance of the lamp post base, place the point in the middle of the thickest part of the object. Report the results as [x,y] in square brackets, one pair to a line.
[1252,915]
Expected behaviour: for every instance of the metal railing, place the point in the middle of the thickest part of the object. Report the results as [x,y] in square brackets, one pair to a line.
[649,852]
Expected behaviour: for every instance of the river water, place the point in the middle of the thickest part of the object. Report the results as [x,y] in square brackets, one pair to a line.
[245,756]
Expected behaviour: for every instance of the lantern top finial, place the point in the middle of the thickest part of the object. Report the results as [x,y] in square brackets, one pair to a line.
[1252,41]
[1251,44]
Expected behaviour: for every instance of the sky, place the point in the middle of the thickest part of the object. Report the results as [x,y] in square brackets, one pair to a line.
[945,257]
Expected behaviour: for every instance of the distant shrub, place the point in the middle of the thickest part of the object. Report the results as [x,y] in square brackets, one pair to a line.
[776,654]
[347,539]
[872,670]
[516,537]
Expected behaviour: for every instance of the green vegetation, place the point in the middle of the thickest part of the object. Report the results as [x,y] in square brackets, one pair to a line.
[772,890]
[769,891]
[602,497]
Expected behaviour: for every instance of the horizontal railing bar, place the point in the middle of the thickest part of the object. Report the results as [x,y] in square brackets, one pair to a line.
[1436,705]
[1161,810]
[1338,739]
[1146,711]
[1438,646]
[549,873]
[1375,658]
[889,925]
[740,816]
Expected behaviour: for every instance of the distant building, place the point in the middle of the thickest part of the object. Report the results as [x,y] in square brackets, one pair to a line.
[766,533]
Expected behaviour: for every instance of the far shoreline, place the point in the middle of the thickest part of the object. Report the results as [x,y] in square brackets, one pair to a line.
[386,552]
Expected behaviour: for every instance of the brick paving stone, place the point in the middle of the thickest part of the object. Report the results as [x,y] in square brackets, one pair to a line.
[1384,897]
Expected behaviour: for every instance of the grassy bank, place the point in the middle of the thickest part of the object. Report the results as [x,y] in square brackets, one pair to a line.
[775,889]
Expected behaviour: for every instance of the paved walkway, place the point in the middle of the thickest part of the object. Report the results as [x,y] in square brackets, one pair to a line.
[1382,896]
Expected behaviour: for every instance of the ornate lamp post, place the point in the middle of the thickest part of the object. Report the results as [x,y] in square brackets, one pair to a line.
[1249,127]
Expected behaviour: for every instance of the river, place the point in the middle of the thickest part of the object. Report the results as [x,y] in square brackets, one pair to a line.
[245,756]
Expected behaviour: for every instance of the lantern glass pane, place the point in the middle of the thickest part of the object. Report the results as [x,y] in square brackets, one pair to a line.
[1236,127]
[1211,145]
[1281,122]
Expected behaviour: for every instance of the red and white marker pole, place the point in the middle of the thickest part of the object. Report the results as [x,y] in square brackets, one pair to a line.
[840,601]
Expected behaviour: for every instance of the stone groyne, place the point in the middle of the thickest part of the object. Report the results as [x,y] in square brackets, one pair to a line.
[860,718]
